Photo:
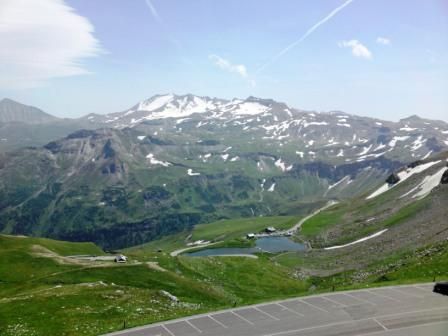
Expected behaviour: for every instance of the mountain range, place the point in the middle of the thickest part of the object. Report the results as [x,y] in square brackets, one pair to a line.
[171,161]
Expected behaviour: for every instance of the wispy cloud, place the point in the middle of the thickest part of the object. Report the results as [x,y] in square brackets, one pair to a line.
[358,49]
[42,40]
[383,40]
[304,36]
[226,65]
[153,11]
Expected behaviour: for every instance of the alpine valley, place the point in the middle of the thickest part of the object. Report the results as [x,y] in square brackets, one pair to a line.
[171,162]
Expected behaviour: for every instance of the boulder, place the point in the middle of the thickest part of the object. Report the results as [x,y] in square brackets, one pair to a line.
[415,164]
[444,179]
[393,178]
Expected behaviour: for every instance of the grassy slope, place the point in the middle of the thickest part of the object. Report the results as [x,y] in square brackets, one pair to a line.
[44,297]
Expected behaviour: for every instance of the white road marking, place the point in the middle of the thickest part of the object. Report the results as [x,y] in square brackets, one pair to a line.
[220,323]
[335,302]
[292,311]
[267,314]
[315,307]
[351,321]
[194,327]
[242,318]
[405,293]
[359,299]
[411,327]
[382,325]
[167,330]
[383,296]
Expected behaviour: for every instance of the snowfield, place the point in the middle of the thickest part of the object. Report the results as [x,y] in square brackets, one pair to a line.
[427,185]
[403,175]
[357,241]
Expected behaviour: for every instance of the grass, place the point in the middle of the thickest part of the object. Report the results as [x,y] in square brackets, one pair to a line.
[423,265]
[322,220]
[44,297]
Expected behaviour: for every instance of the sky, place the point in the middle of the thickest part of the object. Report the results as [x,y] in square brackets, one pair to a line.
[378,58]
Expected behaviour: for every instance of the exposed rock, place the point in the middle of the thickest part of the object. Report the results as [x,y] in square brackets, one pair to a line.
[415,164]
[169,296]
[393,178]
[444,179]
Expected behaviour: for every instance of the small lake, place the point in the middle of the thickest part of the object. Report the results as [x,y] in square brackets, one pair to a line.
[266,244]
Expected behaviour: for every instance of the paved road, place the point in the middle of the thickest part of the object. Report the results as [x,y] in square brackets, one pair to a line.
[303,220]
[389,311]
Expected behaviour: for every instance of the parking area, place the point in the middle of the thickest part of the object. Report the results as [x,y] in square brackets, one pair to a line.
[391,311]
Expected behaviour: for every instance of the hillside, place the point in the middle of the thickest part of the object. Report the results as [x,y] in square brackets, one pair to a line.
[95,297]
[12,111]
[405,216]
[172,162]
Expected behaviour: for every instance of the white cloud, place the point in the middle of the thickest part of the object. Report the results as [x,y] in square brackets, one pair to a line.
[41,40]
[358,49]
[383,41]
[226,65]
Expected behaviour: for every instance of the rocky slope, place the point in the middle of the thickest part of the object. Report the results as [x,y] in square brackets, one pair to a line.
[173,161]
[402,214]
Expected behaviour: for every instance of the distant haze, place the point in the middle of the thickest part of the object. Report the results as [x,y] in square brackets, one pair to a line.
[370,58]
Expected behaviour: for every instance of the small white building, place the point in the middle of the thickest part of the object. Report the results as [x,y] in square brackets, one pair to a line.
[250,236]
[120,259]
[270,229]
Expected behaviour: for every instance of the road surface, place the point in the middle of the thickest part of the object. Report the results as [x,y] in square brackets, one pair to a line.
[411,310]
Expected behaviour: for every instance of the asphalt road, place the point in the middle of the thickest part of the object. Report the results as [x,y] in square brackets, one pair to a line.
[411,310]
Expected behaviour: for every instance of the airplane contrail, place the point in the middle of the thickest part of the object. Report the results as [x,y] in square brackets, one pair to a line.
[304,36]
[153,10]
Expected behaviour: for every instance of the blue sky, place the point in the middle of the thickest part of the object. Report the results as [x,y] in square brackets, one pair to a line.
[379,58]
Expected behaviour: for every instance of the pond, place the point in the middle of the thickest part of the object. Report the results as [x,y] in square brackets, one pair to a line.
[265,244]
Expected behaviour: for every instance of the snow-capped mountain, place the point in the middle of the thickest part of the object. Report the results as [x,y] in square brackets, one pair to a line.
[171,161]
[335,136]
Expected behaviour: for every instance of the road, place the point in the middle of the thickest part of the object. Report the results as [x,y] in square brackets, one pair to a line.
[185,249]
[303,220]
[411,310]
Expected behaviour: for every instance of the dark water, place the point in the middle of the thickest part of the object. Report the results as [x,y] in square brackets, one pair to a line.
[267,244]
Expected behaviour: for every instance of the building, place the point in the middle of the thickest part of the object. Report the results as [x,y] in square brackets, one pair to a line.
[120,259]
[250,236]
[270,229]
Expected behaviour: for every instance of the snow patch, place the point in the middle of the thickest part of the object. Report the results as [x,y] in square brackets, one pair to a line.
[338,182]
[403,175]
[282,165]
[357,241]
[427,185]
[154,161]
[191,173]
[395,139]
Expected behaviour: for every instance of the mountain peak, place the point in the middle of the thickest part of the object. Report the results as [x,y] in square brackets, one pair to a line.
[413,117]
[12,111]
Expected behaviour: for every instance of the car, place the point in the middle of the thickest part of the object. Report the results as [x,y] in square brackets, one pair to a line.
[441,288]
